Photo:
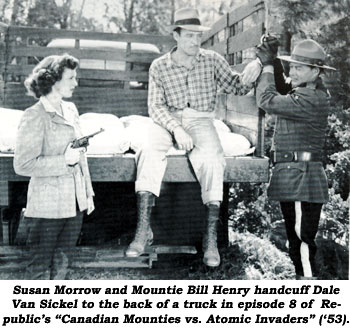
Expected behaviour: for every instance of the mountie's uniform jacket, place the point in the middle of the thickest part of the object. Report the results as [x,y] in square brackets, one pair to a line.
[300,127]
[298,180]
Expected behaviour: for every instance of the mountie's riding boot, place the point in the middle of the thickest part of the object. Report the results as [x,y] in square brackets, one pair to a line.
[144,235]
[211,256]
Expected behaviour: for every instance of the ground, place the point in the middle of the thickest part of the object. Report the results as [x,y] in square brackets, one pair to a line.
[249,257]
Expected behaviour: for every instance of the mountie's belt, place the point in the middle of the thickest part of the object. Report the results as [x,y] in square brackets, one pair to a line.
[298,156]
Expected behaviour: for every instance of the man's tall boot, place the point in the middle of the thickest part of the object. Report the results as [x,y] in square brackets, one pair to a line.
[144,234]
[211,256]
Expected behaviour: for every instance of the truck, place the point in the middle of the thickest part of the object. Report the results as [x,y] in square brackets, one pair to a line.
[112,79]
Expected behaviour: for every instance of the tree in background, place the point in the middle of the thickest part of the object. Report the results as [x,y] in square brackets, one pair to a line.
[138,16]
[47,14]
[328,23]
[59,14]
[145,16]
[18,11]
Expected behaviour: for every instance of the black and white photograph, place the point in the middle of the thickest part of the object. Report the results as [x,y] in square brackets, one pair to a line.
[202,142]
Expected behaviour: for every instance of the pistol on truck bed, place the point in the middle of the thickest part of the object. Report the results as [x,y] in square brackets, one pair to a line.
[84,141]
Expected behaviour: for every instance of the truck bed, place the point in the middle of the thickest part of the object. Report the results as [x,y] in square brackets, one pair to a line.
[122,168]
[122,91]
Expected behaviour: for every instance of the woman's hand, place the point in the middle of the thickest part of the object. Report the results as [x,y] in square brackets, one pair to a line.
[72,155]
[90,204]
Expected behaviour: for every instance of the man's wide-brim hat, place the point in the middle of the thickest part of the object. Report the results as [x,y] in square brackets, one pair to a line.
[308,52]
[188,18]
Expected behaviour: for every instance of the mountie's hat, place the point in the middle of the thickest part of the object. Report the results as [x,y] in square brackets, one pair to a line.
[308,52]
[188,18]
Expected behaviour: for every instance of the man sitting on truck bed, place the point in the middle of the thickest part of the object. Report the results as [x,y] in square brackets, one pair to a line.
[182,92]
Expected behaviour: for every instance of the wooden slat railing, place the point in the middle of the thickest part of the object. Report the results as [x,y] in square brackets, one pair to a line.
[241,30]
[28,45]
[115,55]
[118,66]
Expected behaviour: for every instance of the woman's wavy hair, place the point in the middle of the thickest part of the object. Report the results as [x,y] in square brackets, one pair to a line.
[47,72]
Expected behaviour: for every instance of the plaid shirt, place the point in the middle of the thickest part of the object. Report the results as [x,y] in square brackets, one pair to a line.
[173,87]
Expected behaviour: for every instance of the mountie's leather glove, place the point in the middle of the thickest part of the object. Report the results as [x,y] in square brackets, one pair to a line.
[267,50]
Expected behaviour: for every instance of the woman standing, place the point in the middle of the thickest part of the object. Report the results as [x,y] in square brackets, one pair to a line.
[60,185]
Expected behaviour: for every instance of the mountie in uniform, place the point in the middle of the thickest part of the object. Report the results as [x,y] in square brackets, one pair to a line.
[298,180]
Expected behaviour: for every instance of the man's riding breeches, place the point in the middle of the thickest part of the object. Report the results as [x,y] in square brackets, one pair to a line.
[207,157]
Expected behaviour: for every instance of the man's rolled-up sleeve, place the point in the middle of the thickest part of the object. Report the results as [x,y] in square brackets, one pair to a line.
[229,80]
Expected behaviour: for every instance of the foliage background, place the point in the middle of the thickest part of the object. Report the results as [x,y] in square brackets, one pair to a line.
[328,23]
[254,220]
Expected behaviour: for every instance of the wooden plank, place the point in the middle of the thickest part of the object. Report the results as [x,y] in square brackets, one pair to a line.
[84,257]
[173,249]
[16,89]
[260,145]
[140,76]
[5,224]
[109,100]
[74,34]
[244,11]
[3,60]
[13,266]
[117,168]
[4,193]
[2,90]
[113,102]
[3,27]
[135,263]
[23,70]
[122,168]
[16,98]
[219,25]
[243,117]
[13,251]
[221,47]
[244,40]
[88,99]
[242,105]
[117,55]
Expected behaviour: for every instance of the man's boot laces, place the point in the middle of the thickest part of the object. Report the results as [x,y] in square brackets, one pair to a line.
[143,234]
